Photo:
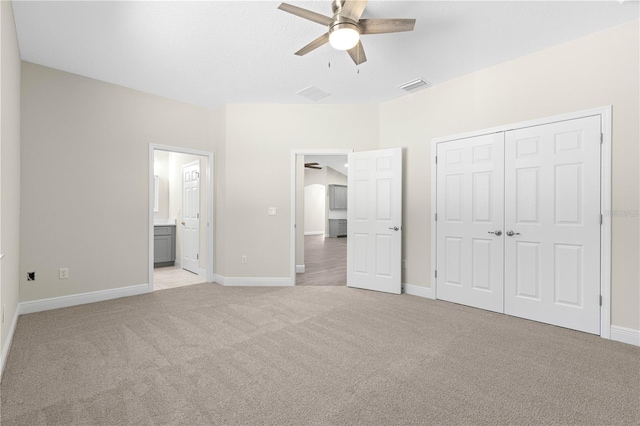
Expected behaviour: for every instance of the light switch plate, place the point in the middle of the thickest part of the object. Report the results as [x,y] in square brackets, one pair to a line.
[271,211]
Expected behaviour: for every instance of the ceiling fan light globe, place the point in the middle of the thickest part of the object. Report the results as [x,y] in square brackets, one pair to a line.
[344,38]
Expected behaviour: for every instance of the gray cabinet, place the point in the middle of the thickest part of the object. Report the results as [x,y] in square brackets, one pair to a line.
[338,197]
[164,245]
[337,228]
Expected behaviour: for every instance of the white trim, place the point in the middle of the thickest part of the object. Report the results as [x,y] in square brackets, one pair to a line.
[177,263]
[605,113]
[300,269]
[294,153]
[81,298]
[7,344]
[605,229]
[625,335]
[314,233]
[210,273]
[202,272]
[416,290]
[218,279]
[256,282]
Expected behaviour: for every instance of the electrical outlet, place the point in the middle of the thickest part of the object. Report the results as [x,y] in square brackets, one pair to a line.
[243,259]
[31,276]
[63,273]
[271,211]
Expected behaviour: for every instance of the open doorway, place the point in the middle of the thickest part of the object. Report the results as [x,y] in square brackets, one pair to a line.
[320,218]
[181,217]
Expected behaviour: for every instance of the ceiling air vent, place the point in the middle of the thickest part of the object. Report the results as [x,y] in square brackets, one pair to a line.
[414,85]
[313,93]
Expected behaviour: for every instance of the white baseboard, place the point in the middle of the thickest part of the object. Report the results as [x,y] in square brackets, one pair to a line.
[7,344]
[80,299]
[625,335]
[326,235]
[314,233]
[202,272]
[218,279]
[255,281]
[416,290]
[177,263]
[299,269]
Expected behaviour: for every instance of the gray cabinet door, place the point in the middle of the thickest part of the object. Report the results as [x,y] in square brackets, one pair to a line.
[337,197]
[164,245]
[162,248]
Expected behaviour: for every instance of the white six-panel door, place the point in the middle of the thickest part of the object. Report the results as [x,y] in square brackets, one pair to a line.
[552,193]
[374,220]
[470,189]
[540,188]
[191,217]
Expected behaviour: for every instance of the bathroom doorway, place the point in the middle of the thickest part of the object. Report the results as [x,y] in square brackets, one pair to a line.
[180,218]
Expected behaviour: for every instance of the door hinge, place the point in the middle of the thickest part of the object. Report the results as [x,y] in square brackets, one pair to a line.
[436,159]
[197,215]
[436,273]
[436,217]
[601,137]
[198,256]
[600,219]
[600,300]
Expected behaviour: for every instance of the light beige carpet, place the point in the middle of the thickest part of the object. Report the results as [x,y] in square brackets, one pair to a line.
[207,354]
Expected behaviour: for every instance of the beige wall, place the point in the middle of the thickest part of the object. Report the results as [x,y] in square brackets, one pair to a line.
[314,209]
[258,160]
[85,186]
[597,70]
[9,168]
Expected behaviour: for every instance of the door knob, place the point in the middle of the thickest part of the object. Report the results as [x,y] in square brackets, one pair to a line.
[395,228]
[497,232]
[511,233]
[183,222]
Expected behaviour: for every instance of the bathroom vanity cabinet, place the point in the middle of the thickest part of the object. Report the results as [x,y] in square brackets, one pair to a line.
[164,245]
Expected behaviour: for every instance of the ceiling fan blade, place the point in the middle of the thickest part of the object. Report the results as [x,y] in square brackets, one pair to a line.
[357,53]
[353,9]
[323,39]
[306,14]
[383,26]
[313,167]
[311,164]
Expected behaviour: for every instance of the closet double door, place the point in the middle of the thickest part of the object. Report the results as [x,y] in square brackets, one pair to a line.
[518,223]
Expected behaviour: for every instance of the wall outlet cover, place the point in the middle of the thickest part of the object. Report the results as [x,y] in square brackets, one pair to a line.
[31,276]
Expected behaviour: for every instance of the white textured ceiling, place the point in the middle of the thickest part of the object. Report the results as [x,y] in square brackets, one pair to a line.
[214,52]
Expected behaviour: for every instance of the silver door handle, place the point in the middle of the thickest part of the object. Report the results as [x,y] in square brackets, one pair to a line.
[497,232]
[511,233]
[395,228]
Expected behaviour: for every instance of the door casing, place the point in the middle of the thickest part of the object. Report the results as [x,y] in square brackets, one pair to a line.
[605,114]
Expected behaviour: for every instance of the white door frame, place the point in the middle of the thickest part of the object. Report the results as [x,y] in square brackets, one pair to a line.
[294,155]
[210,204]
[605,113]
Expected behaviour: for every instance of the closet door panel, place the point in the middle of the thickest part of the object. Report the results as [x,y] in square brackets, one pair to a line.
[470,209]
[552,206]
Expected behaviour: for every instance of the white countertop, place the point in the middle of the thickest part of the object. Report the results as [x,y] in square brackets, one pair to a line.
[164,222]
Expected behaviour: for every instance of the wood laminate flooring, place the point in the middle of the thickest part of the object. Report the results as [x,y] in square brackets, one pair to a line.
[325,261]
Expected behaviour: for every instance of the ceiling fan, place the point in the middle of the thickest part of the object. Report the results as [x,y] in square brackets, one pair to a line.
[346,27]
[313,166]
